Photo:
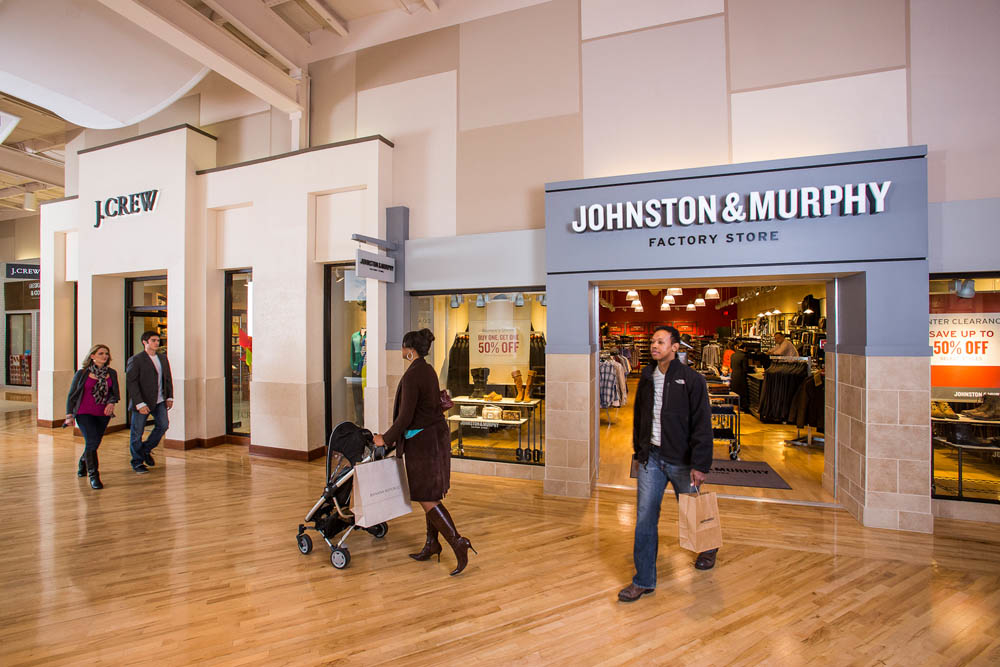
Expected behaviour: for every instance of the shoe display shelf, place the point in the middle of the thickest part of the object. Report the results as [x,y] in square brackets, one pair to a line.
[531,417]
[965,451]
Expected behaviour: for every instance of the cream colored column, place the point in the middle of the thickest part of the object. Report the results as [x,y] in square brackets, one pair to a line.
[55,324]
[570,469]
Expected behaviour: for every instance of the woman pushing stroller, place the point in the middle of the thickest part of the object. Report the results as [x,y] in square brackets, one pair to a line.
[421,435]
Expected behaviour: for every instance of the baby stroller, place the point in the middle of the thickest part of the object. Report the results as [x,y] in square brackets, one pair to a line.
[349,445]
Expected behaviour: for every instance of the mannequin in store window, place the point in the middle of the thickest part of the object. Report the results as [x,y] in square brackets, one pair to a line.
[359,358]
[422,437]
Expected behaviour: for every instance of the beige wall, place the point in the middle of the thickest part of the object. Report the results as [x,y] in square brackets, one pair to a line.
[577,88]
[19,239]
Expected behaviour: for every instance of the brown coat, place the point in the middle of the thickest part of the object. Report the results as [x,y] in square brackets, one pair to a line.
[427,454]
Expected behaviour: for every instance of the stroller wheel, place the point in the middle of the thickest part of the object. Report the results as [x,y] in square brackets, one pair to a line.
[305,543]
[379,530]
[340,557]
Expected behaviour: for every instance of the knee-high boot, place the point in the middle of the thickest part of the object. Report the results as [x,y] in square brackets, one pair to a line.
[431,546]
[81,466]
[92,465]
[460,545]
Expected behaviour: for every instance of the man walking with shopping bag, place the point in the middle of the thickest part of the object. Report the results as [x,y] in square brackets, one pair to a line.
[672,439]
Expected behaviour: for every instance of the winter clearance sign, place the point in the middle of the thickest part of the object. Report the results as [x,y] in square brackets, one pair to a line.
[966,361]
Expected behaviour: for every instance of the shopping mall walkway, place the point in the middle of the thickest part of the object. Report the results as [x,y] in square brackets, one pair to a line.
[195,563]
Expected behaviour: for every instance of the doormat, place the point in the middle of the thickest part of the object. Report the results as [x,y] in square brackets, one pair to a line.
[758,474]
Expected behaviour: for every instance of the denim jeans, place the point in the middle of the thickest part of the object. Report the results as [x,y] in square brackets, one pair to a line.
[136,446]
[92,427]
[652,482]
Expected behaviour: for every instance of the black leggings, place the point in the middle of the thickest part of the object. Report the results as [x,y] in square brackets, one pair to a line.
[92,427]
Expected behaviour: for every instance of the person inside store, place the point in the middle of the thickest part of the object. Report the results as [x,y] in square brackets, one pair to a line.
[782,347]
[739,368]
[422,437]
[672,440]
[93,394]
[149,383]
[727,356]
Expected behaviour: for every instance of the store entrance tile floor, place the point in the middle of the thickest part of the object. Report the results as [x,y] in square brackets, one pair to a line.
[196,563]
[801,467]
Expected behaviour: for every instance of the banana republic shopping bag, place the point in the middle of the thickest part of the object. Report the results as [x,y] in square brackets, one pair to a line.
[698,514]
[381,491]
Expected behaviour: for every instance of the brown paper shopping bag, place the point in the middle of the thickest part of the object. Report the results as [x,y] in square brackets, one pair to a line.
[381,492]
[698,515]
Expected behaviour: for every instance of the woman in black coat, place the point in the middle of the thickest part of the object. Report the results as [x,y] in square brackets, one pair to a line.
[93,394]
[421,435]
[739,369]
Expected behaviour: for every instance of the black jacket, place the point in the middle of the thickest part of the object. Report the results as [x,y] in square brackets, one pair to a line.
[79,383]
[142,383]
[685,419]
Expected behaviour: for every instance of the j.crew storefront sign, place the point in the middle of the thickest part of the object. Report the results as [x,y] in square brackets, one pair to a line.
[114,207]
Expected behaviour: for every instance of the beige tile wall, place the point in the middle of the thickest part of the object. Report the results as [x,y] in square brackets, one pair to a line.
[569,453]
[850,433]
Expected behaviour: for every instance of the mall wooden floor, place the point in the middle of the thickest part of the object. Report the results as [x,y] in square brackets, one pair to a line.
[195,563]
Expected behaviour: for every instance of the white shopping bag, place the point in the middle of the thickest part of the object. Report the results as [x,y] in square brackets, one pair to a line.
[380,492]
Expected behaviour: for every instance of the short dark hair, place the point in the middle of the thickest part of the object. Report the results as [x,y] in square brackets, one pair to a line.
[146,335]
[419,341]
[675,335]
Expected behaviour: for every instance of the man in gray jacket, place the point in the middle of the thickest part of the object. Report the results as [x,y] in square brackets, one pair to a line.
[672,439]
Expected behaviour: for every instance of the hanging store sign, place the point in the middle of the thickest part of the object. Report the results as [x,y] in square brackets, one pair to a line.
[966,361]
[23,272]
[378,267]
[113,207]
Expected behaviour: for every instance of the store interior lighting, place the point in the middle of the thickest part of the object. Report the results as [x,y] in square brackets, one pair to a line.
[636,303]
[776,312]
[30,201]
[519,299]
[760,314]
[712,293]
[638,308]
[808,311]
[691,306]
[665,306]
[699,301]
[632,294]
[966,291]
[480,301]
[456,300]
[543,300]
[675,291]
[669,298]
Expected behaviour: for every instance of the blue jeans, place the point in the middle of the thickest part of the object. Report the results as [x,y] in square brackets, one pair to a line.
[652,482]
[136,446]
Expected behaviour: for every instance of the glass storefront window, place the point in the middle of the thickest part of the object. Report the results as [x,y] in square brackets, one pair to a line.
[965,387]
[489,352]
[347,351]
[19,337]
[146,310]
[239,344]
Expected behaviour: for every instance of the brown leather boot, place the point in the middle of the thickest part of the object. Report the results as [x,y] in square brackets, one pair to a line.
[520,385]
[527,385]
[460,545]
[431,547]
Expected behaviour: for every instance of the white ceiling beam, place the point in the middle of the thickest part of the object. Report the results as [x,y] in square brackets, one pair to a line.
[335,22]
[265,28]
[15,213]
[15,190]
[273,3]
[406,8]
[31,167]
[184,28]
[432,5]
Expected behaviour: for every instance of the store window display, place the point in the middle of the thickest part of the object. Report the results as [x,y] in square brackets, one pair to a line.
[965,387]
[491,358]
[348,345]
[239,314]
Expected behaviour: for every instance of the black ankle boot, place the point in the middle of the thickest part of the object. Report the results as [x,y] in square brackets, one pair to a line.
[460,545]
[95,475]
[81,468]
[431,547]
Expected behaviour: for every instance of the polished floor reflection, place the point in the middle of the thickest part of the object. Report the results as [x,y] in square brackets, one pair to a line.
[195,563]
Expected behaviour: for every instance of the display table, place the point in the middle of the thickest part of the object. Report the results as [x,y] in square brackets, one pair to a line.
[532,416]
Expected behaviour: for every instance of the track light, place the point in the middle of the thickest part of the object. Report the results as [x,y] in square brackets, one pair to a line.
[966,291]
[519,299]
[30,201]
[480,301]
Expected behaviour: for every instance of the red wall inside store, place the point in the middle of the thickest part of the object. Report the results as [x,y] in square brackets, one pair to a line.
[706,319]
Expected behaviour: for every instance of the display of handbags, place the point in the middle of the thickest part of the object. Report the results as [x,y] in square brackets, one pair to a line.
[510,415]
[492,412]
[468,411]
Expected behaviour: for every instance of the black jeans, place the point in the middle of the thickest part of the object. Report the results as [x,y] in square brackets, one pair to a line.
[93,428]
